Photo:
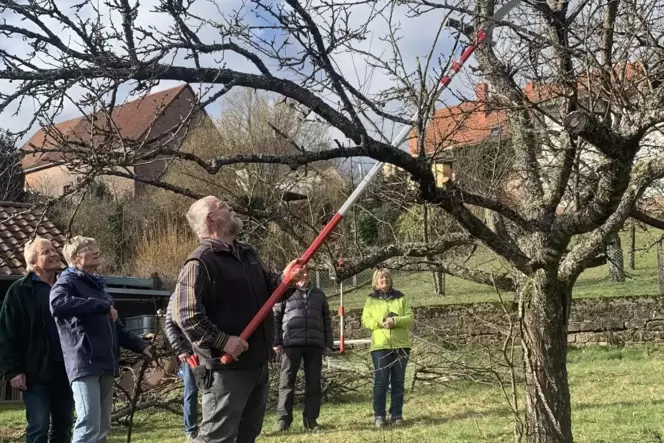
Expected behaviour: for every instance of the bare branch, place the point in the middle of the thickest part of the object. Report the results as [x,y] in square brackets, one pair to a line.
[355,266]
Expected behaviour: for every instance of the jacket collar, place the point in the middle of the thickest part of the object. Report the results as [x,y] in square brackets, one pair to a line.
[96,279]
[217,245]
[27,280]
[389,295]
[305,291]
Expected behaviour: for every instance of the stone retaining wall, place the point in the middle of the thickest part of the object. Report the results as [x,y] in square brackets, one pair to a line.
[616,320]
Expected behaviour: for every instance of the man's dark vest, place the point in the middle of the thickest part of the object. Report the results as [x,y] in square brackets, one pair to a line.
[238,286]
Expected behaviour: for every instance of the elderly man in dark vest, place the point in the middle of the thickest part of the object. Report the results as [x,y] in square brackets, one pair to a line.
[221,287]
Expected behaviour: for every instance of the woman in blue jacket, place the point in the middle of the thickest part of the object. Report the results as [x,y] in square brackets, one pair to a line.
[91,336]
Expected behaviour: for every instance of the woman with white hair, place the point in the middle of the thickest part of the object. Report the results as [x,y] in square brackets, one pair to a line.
[30,354]
[388,315]
[91,335]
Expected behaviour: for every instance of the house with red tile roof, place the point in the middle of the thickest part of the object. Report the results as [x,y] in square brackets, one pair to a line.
[466,124]
[136,125]
[476,121]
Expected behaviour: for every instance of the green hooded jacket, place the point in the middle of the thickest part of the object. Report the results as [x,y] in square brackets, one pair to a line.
[377,308]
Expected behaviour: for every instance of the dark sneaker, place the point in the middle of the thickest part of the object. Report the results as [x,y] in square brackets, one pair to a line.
[380,422]
[283,426]
[397,421]
[311,425]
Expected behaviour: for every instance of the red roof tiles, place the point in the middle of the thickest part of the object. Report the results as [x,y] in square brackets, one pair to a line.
[472,122]
[133,120]
[18,224]
[467,123]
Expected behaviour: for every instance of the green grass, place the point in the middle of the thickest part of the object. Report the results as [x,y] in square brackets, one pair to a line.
[593,283]
[617,397]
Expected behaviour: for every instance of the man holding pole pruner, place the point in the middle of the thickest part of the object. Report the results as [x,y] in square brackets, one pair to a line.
[221,287]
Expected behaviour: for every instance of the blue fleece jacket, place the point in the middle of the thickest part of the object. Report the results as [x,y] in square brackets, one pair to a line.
[90,340]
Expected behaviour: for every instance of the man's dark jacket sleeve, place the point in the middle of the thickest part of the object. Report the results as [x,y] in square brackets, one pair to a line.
[11,357]
[327,324]
[278,324]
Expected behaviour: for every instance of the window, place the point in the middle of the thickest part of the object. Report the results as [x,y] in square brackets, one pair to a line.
[495,131]
[66,188]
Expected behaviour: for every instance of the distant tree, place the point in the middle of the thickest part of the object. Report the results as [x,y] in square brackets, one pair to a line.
[11,174]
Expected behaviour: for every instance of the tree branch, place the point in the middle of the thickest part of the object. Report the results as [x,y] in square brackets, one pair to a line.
[524,141]
[456,192]
[500,245]
[598,134]
[323,59]
[355,266]
[647,219]
[503,282]
[211,48]
[581,255]
[614,176]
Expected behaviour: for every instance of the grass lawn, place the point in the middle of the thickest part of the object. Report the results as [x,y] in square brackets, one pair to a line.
[593,283]
[617,397]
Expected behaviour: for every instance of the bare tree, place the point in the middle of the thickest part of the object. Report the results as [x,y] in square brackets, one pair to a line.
[580,83]
[277,201]
[615,258]
[11,174]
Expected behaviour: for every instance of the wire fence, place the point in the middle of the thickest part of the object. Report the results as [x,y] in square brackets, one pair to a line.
[326,281]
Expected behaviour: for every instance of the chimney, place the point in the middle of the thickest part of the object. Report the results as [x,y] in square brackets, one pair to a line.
[482,92]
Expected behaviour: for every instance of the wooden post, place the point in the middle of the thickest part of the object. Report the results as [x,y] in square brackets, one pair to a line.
[341,319]
[632,246]
[660,268]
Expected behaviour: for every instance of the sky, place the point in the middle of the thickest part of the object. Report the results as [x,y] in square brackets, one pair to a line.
[416,37]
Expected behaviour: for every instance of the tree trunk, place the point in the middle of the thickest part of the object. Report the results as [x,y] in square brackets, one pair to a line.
[438,276]
[660,268]
[632,246]
[439,282]
[543,314]
[614,258]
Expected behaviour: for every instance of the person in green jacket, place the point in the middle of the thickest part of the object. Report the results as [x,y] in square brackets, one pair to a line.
[387,313]
[30,353]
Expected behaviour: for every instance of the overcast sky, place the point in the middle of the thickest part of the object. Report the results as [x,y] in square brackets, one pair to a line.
[417,35]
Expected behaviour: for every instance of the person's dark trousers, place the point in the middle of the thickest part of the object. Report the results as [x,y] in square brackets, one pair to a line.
[389,369]
[190,401]
[234,402]
[50,403]
[313,366]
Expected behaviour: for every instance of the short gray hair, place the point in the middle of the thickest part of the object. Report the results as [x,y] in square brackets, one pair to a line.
[74,245]
[197,213]
[30,252]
